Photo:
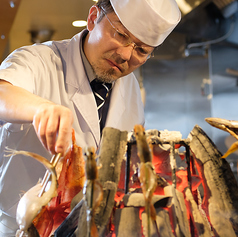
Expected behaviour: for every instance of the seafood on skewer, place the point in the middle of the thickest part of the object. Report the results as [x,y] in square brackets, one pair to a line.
[93,191]
[230,126]
[31,203]
[147,175]
[71,177]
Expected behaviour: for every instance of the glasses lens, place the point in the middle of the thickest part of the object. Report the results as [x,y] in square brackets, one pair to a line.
[122,38]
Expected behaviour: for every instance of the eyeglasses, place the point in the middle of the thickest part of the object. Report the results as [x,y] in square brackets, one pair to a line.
[141,52]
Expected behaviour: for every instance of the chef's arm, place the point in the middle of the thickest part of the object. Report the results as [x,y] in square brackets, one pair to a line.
[52,122]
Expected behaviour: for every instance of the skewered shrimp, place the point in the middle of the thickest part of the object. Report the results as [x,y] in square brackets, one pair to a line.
[93,191]
[147,174]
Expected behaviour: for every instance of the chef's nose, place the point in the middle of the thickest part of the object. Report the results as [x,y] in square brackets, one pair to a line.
[126,52]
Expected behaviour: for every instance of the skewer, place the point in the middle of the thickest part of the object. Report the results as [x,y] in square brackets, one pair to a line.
[54,161]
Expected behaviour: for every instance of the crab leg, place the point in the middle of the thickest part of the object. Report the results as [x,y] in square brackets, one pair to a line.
[147,174]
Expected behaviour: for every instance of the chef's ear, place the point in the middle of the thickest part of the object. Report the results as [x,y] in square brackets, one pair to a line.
[93,16]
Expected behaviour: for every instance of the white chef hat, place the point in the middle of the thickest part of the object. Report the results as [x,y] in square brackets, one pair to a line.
[151,21]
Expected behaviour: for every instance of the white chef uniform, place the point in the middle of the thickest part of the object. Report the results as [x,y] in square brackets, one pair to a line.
[54,71]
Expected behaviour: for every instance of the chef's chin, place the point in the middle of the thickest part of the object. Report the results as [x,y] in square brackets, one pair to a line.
[107,76]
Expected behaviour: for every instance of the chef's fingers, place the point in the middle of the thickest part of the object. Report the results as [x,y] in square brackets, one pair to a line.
[58,129]
[64,132]
[51,131]
[40,124]
[45,122]
[36,122]
[53,123]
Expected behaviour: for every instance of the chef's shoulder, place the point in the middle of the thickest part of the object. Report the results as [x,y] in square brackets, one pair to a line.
[40,51]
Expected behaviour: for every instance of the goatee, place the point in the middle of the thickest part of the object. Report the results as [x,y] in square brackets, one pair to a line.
[104,76]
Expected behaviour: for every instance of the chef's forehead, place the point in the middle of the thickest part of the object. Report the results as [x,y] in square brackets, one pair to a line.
[149,21]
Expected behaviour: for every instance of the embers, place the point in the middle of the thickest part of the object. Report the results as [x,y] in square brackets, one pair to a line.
[193,211]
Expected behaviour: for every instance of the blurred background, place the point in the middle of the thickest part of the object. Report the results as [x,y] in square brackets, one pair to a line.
[193,75]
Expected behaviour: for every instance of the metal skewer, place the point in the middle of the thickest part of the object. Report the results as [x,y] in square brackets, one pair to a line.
[54,161]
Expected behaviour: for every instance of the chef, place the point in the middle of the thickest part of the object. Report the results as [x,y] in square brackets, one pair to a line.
[47,89]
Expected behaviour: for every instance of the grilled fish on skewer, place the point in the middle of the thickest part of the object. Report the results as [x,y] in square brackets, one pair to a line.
[230,126]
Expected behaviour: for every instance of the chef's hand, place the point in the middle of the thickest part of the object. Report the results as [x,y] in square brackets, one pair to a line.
[53,125]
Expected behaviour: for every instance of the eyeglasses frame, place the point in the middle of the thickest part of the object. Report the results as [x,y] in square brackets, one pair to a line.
[130,41]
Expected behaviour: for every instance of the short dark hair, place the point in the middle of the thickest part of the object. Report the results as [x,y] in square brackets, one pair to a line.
[106,6]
